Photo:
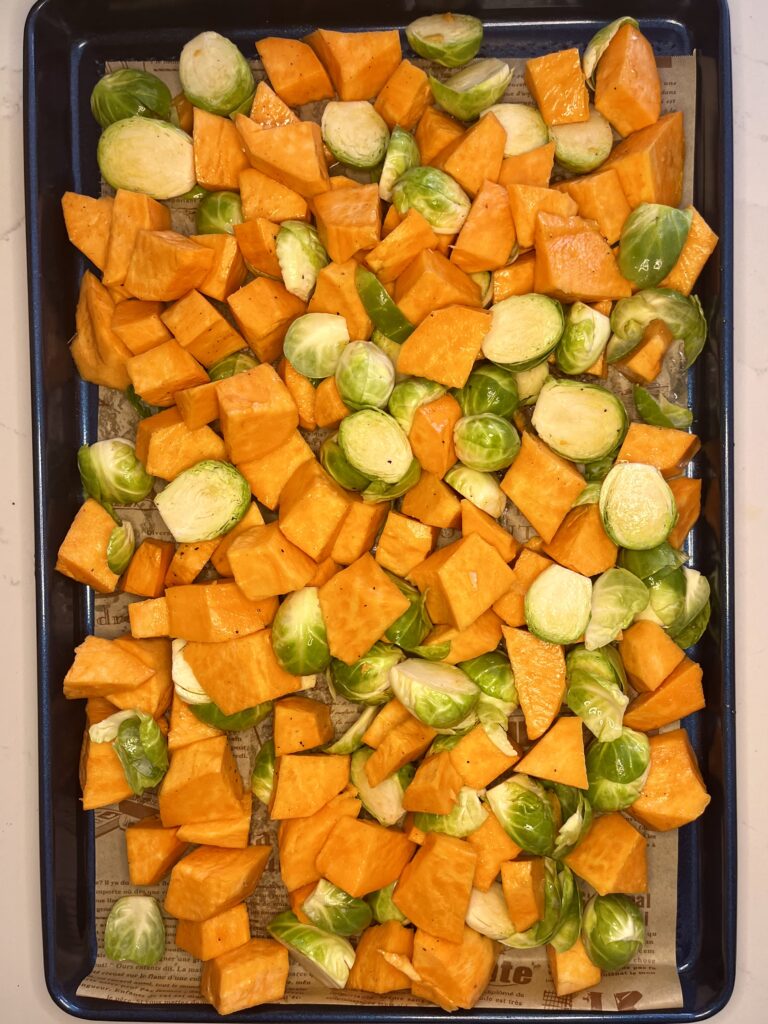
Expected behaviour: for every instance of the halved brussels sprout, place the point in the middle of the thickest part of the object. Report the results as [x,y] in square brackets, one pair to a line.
[391,350]
[667,599]
[581,422]
[613,930]
[468,93]
[524,125]
[449,39]
[229,366]
[557,605]
[263,773]
[367,680]
[142,408]
[589,496]
[205,501]
[694,629]
[583,146]
[385,801]
[352,738]
[597,471]
[409,396]
[465,817]
[214,74]
[524,330]
[375,445]
[484,281]
[327,957]
[584,339]
[130,92]
[492,673]
[334,462]
[652,565]
[314,343]
[355,132]
[432,652]
[617,770]
[438,695]
[445,741]
[365,377]
[120,547]
[379,490]
[617,596]
[569,923]
[525,813]
[111,473]
[212,714]
[577,816]
[652,239]
[637,507]
[301,256]
[440,200]
[489,388]
[142,154]
[539,934]
[381,308]
[597,46]
[402,154]
[487,913]
[384,907]
[530,382]
[331,908]
[682,314]
[414,624]
[185,682]
[218,213]
[596,690]
[299,638]
[695,603]
[660,412]
[139,744]
[135,931]
[485,442]
[481,489]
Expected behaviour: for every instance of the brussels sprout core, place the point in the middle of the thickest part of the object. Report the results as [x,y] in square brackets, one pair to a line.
[581,422]
[583,146]
[557,605]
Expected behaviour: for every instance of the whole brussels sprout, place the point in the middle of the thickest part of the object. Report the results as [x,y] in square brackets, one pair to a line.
[299,637]
[468,93]
[301,256]
[596,690]
[617,770]
[367,680]
[584,339]
[440,200]
[375,445]
[438,695]
[135,931]
[465,817]
[331,908]
[410,395]
[489,388]
[402,154]
[682,314]
[229,366]
[384,802]
[386,316]
[613,930]
[120,548]
[481,489]
[334,462]
[652,239]
[485,442]
[449,39]
[214,74]
[327,957]
[660,412]
[364,376]
[130,92]
[314,342]
[263,773]
[212,714]
[218,213]
[583,146]
[524,125]
[597,46]
[412,627]
[111,473]
[205,501]
[637,507]
[492,673]
[355,132]
[525,813]
[145,155]
[617,596]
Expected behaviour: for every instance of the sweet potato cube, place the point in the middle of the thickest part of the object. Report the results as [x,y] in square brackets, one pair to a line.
[434,888]
[291,154]
[361,856]
[138,325]
[297,76]
[453,974]
[152,851]
[211,880]
[83,553]
[650,162]
[200,329]
[405,742]
[300,840]
[146,571]
[153,697]
[336,292]
[404,543]
[357,531]
[359,63]
[219,156]
[572,971]
[101,667]
[539,669]
[611,857]
[481,636]
[312,508]
[263,197]
[102,777]
[167,446]
[148,618]
[391,715]
[257,240]
[667,449]
[526,202]
[268,475]
[648,655]
[88,222]
[186,727]
[600,197]
[431,433]
[516,278]
[330,410]
[557,85]
[511,606]
[542,485]
[405,96]
[323,573]
[494,848]
[214,612]
[558,755]
[301,391]
[240,673]
[444,346]
[188,562]
[256,413]
[230,833]
[435,786]
[627,84]
[95,310]
[581,544]
[264,310]
[219,934]
[478,760]
[132,212]
[531,168]
[475,157]
[699,245]
[487,238]
[370,971]
[348,220]
[220,557]
[474,520]
[227,270]
[359,605]
[202,784]
[435,131]
[644,363]
[433,503]
[265,563]
[305,784]
[416,835]
[268,110]
[301,724]
[679,695]
[158,374]
[255,973]
[166,265]
[429,283]
[674,793]
[574,260]
[687,494]
[399,246]
[523,885]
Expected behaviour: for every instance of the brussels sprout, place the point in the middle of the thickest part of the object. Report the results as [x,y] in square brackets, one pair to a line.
[263,773]
[214,74]
[525,813]
[693,631]
[414,624]
[485,442]
[111,473]
[589,496]
[379,490]
[449,39]
[492,673]
[540,933]
[438,695]
[489,389]
[336,911]
[385,801]
[120,548]
[409,396]
[481,489]
[135,931]
[569,923]
[355,132]
[327,957]
[557,605]
[205,501]
[682,314]
[617,770]
[139,745]
[334,462]
[130,92]
[652,239]
[598,44]
[637,507]
[468,93]
[185,682]
[524,126]
[440,200]
[218,213]
[695,602]
[488,914]
[465,817]
[229,366]
[583,146]
[524,330]
[595,691]
[374,444]
[660,412]
[380,307]
[584,339]
[352,738]
[384,907]
[484,281]
[597,471]
[402,154]
[212,714]
[299,639]
[314,343]
[577,818]
[432,652]
[667,599]
[652,565]
[364,376]
[530,382]
[145,155]
[445,741]
[301,256]
[367,680]
[581,422]
[613,930]
[139,405]
[391,350]
[617,596]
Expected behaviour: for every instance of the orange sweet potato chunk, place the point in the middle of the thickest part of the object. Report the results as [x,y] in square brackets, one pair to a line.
[219,156]
[132,212]
[291,154]
[101,666]
[405,96]
[301,391]
[644,363]
[627,84]
[158,374]
[687,494]
[648,655]
[404,543]
[220,557]
[559,755]
[227,270]
[357,532]
[445,345]
[88,222]
[359,63]
[667,449]
[101,774]
[211,880]
[494,848]
[301,724]
[399,246]
[264,310]
[557,84]
[188,562]
[434,888]
[256,413]
[674,793]
[138,325]
[573,260]
[268,110]
[330,410]
[312,509]
[542,485]
[453,974]
[267,476]
[474,520]
[601,198]
[679,695]
[572,971]
[511,606]
[434,132]
[265,563]
[167,446]
[264,197]
[166,265]
[650,162]
[253,974]
[297,76]
[335,292]
[611,857]
[429,283]
[300,840]
[435,787]
[487,238]
[531,168]
[478,760]
[214,612]
[370,971]
[304,785]
[83,553]
[699,245]
[362,856]
[404,742]
[527,201]
[475,156]
[146,571]
[154,696]
[539,670]
[516,278]
[581,544]
[348,221]
[230,833]
[205,940]
[186,727]
[99,354]
[523,885]
[148,618]
[257,240]
[202,784]
[483,635]
[431,434]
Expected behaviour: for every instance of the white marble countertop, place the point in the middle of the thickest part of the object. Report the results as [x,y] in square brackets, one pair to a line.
[22,987]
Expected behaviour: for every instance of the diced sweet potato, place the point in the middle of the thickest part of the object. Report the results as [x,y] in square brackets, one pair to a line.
[265,563]
[291,154]
[649,655]
[253,974]
[494,848]
[202,784]
[264,310]
[165,265]
[267,476]
[257,240]
[211,880]
[148,618]
[268,110]
[466,582]
[687,494]
[301,391]
[263,197]
[434,888]
[627,84]
[434,132]
[221,933]
[433,503]
[429,283]
[153,697]
[444,347]
[188,562]
[481,636]
[526,202]
[679,695]
[335,292]
[475,157]
[542,485]
[230,833]
[304,785]
[523,885]
[186,727]
[391,715]
[358,530]
[404,543]
[581,544]
[431,433]
[474,520]
[370,971]
[539,669]
[227,270]
[102,776]
[403,743]
[145,574]
[361,856]
[359,63]
[572,971]
[556,82]
[94,322]
[667,449]
[300,840]
[559,755]
[601,198]
[256,413]
[699,245]
[611,857]
[214,612]
[138,325]
[301,724]
[650,162]
[82,554]
[348,220]
[219,156]
[167,446]
[158,374]
[511,606]
[297,76]
[435,786]
[88,222]
[220,557]
[132,212]
[674,793]
[453,974]
[405,96]
[644,363]
[399,246]
[516,278]
[312,509]
[478,760]
[531,168]
[199,328]
[330,410]
[323,573]
[487,238]
[573,260]
[101,667]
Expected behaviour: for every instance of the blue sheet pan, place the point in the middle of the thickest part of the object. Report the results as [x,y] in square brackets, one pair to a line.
[66,45]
